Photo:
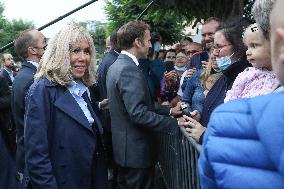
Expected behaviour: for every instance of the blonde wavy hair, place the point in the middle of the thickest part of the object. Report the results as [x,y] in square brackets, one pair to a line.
[208,74]
[55,63]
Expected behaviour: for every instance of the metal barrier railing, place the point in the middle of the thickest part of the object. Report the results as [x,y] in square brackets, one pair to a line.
[178,155]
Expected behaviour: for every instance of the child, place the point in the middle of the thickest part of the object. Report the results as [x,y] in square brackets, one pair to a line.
[259,79]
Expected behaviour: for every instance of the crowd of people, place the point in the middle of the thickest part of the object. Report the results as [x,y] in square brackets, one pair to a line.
[68,123]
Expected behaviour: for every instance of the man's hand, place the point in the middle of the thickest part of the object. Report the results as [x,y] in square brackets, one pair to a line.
[194,128]
[195,115]
[176,111]
[103,104]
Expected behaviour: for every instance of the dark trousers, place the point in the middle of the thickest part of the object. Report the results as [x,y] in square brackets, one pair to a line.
[136,178]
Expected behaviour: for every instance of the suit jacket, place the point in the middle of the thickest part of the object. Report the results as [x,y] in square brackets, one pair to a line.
[60,144]
[7,77]
[6,128]
[102,73]
[133,115]
[20,86]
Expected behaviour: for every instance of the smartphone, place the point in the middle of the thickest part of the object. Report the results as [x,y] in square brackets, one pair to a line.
[169,65]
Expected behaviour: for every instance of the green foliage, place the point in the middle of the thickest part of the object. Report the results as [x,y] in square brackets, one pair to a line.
[98,31]
[170,16]
[164,21]
[10,29]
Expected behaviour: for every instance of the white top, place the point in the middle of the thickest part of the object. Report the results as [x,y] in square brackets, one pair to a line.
[77,89]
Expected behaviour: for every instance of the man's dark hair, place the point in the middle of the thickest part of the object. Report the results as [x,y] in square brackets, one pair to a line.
[23,41]
[127,33]
[113,40]
[233,29]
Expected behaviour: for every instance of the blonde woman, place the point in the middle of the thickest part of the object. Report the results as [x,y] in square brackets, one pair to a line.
[63,140]
[198,85]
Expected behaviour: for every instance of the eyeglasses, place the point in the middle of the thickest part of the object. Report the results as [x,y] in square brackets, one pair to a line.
[171,57]
[218,49]
[181,57]
[44,47]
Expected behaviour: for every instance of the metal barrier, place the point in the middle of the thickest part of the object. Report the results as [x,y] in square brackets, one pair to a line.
[178,155]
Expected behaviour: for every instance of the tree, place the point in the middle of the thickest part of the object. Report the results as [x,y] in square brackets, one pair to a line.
[166,22]
[10,29]
[170,16]
[199,10]
[98,31]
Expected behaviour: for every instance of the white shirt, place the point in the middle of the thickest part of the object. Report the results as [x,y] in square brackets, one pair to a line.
[10,73]
[77,89]
[131,56]
[33,63]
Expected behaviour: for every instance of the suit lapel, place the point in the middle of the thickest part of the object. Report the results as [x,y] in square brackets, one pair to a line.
[96,119]
[68,104]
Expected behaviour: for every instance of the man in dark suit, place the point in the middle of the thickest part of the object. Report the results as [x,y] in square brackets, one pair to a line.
[101,94]
[8,65]
[7,161]
[30,46]
[108,60]
[133,112]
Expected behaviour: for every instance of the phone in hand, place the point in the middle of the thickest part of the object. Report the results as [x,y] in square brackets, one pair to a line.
[170,66]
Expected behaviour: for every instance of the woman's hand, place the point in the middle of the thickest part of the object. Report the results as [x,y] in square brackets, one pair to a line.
[172,75]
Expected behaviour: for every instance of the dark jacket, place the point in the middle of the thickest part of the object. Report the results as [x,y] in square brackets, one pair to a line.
[60,144]
[20,87]
[7,161]
[133,115]
[8,131]
[7,77]
[217,94]
[244,145]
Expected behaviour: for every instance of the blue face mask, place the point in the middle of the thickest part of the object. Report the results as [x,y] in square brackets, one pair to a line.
[180,69]
[223,63]
[157,46]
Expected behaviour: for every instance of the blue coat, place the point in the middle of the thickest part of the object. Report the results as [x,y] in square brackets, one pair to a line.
[59,142]
[243,145]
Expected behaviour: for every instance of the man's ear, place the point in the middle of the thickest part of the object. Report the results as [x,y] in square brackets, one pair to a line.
[137,42]
[31,50]
[280,33]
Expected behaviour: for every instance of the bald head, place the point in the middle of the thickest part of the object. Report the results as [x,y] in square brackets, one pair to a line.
[28,39]
[277,39]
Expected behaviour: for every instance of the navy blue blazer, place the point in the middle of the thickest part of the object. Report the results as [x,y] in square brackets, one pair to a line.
[59,142]
[108,60]
[7,77]
[20,86]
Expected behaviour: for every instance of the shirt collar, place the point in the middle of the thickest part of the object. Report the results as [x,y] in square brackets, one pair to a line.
[77,88]
[131,56]
[10,72]
[33,63]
